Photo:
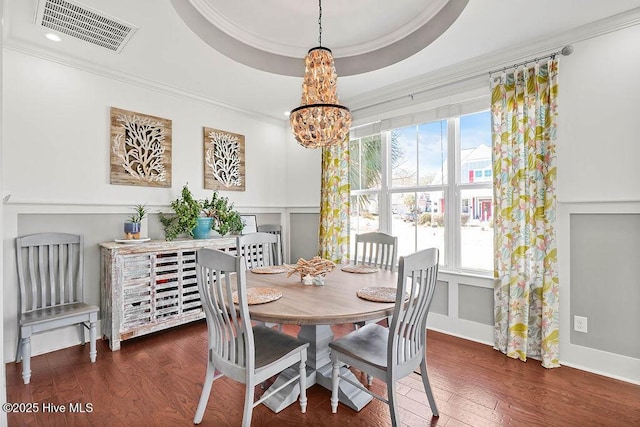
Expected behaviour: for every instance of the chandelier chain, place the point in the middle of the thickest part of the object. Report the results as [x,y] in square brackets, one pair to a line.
[320,121]
[320,23]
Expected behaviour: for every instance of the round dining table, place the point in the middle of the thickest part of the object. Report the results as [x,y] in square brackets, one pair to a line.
[316,307]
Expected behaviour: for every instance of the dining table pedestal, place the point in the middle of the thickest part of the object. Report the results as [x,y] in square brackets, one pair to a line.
[318,372]
[315,309]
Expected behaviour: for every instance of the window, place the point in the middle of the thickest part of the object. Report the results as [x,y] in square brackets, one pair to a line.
[365,179]
[464,204]
[405,182]
[476,235]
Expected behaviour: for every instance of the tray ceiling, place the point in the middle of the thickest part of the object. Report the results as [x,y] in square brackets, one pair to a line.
[167,54]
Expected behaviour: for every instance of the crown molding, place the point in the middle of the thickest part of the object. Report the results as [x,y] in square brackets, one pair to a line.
[474,73]
[135,80]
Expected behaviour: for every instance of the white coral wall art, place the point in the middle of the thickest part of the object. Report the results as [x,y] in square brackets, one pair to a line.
[140,149]
[223,160]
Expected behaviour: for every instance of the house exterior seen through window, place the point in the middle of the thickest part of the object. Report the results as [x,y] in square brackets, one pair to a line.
[431,185]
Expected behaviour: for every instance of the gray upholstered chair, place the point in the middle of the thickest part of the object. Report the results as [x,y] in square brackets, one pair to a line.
[392,353]
[50,274]
[247,354]
[277,230]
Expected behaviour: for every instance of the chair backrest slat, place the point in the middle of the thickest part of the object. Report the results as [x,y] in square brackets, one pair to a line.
[219,275]
[79,290]
[417,278]
[32,280]
[21,281]
[42,271]
[69,259]
[376,249]
[51,294]
[50,269]
[66,270]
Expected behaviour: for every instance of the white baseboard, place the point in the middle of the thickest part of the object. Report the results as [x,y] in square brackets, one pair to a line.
[460,328]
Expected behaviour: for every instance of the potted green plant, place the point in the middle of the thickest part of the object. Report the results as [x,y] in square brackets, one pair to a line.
[226,220]
[198,217]
[187,211]
[203,227]
[133,226]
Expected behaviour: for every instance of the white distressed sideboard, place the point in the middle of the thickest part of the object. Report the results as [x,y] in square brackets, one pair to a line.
[151,286]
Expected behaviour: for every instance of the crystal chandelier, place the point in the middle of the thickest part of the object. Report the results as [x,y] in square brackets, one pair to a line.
[320,121]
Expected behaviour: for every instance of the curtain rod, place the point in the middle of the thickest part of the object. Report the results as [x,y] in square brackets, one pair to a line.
[565,51]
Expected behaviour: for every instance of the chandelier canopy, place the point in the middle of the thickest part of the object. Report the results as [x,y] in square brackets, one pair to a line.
[320,121]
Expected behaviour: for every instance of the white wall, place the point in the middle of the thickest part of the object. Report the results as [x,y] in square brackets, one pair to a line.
[56,158]
[304,168]
[598,151]
[57,138]
[599,126]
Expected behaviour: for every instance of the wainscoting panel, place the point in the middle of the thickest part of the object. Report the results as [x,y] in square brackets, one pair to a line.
[303,235]
[605,281]
[440,301]
[475,304]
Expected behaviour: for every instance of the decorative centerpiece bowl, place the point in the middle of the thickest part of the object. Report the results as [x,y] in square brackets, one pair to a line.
[308,270]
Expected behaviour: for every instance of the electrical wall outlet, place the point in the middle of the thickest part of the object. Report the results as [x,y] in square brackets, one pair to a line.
[580,324]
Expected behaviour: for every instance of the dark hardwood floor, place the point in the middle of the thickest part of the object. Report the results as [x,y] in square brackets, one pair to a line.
[156,381]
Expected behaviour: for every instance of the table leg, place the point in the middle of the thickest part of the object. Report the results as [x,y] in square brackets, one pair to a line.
[318,372]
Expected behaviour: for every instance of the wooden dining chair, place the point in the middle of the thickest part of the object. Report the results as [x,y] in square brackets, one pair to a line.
[50,275]
[392,353]
[277,230]
[258,249]
[376,249]
[246,354]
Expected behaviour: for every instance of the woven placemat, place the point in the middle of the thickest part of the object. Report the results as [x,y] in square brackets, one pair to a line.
[259,295]
[378,294]
[270,269]
[363,269]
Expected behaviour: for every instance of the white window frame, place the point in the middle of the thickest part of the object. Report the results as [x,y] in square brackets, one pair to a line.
[452,190]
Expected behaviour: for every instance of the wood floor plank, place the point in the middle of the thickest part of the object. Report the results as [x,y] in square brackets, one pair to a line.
[159,395]
[156,380]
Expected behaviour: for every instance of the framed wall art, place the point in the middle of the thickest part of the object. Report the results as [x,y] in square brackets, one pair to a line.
[224,167]
[140,149]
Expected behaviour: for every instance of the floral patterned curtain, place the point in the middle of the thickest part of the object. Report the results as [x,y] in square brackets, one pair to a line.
[334,203]
[524,115]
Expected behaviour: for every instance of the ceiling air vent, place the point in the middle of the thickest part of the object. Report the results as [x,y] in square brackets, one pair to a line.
[84,24]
